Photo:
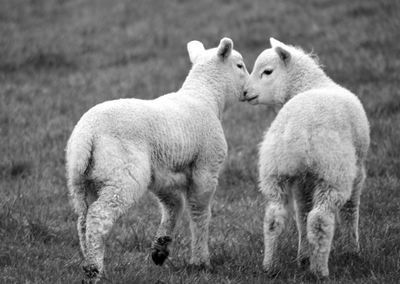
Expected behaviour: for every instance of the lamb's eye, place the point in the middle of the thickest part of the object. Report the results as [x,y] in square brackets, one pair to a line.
[267,72]
[240,65]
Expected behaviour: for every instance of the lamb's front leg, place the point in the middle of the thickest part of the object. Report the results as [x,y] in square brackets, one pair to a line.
[171,203]
[199,199]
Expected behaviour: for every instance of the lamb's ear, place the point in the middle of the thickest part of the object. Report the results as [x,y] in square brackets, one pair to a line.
[283,54]
[281,49]
[225,48]
[194,48]
[275,42]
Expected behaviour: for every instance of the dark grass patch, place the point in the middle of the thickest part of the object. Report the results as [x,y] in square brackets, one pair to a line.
[5,260]
[41,61]
[133,57]
[17,169]
[361,11]
[25,228]
[387,109]
[36,231]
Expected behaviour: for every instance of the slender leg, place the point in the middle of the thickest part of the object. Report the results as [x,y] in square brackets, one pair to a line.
[119,175]
[199,198]
[101,216]
[321,226]
[87,199]
[350,215]
[114,199]
[303,205]
[276,216]
[171,203]
[81,225]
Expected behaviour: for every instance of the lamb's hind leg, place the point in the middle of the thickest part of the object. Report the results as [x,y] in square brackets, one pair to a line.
[199,198]
[112,203]
[321,226]
[171,203]
[303,205]
[81,226]
[115,197]
[276,216]
[86,199]
[349,214]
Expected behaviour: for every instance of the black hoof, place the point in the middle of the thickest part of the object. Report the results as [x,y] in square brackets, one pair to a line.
[160,250]
[159,256]
[91,271]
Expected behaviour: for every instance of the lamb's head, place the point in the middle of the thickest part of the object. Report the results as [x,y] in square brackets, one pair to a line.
[222,67]
[275,71]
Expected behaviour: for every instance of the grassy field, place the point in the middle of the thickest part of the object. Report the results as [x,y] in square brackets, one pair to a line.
[59,58]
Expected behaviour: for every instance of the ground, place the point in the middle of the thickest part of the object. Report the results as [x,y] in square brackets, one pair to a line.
[59,58]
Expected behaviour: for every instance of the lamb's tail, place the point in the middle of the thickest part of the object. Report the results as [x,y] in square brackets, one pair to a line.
[78,156]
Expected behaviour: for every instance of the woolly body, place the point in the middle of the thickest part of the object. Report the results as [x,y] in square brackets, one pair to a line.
[173,145]
[322,131]
[164,128]
[312,157]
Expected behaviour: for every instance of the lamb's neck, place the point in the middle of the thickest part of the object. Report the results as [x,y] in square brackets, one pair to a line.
[207,90]
[305,81]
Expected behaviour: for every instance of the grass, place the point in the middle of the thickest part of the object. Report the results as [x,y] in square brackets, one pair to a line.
[59,58]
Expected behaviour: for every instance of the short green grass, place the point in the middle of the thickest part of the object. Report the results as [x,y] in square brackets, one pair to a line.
[59,58]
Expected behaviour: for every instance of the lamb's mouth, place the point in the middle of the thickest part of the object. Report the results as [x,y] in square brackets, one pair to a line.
[252,100]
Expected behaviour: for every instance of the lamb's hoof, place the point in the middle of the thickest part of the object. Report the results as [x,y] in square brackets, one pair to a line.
[91,270]
[160,250]
[92,273]
[159,256]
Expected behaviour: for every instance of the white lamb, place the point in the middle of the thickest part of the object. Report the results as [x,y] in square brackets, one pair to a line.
[312,156]
[173,145]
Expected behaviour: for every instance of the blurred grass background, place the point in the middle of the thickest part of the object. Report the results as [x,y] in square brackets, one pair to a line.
[58,58]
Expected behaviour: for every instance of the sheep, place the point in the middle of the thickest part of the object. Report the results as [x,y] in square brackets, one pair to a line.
[173,145]
[312,158]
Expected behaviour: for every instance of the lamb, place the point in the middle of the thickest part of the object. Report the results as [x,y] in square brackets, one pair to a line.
[312,158]
[173,145]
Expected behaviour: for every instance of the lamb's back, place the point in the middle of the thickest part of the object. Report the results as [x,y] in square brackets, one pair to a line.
[172,128]
[321,128]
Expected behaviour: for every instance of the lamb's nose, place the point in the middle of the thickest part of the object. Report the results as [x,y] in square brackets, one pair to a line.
[243,96]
